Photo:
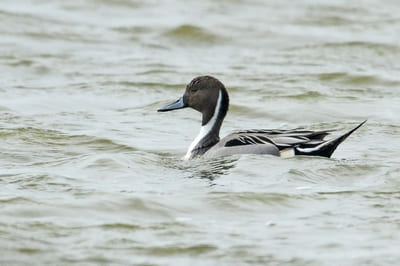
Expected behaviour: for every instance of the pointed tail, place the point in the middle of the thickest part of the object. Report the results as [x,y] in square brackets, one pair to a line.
[326,148]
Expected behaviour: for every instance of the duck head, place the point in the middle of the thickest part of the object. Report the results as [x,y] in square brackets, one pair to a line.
[204,94]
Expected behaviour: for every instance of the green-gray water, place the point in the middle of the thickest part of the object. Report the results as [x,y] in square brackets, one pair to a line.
[90,173]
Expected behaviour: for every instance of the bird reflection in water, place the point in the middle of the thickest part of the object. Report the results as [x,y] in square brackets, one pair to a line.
[209,169]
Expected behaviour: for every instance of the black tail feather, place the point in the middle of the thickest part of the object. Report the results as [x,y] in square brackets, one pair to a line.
[326,148]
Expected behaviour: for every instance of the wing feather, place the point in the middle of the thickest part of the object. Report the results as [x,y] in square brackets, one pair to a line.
[280,138]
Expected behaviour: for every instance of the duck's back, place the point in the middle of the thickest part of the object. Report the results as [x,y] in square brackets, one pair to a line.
[278,142]
[264,141]
[224,148]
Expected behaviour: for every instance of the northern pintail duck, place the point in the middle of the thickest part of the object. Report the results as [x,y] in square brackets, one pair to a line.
[209,96]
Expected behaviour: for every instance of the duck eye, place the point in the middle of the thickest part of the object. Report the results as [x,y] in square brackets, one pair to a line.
[194,89]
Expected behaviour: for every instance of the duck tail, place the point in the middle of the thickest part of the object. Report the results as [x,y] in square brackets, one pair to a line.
[326,148]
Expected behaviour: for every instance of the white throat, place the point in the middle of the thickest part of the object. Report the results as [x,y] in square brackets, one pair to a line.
[204,130]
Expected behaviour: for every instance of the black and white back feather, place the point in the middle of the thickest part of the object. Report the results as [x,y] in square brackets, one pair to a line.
[303,142]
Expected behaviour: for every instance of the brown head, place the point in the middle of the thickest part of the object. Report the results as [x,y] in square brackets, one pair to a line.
[203,94]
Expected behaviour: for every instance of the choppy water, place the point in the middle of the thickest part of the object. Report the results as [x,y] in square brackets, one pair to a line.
[91,174]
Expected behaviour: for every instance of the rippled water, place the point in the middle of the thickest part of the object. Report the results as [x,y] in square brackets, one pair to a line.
[91,173]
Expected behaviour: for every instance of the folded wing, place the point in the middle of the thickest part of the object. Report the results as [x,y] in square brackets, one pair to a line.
[303,142]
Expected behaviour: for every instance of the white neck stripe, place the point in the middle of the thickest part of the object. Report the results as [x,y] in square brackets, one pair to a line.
[204,130]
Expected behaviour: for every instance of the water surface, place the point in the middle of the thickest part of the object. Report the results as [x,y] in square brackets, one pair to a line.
[91,174]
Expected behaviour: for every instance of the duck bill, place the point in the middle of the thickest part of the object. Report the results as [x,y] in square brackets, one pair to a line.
[179,104]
